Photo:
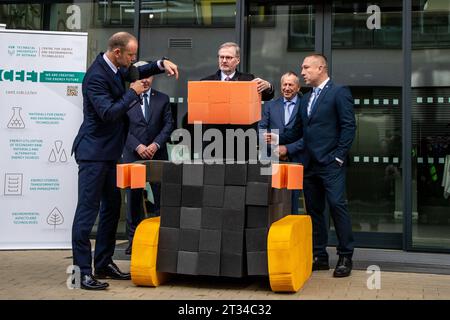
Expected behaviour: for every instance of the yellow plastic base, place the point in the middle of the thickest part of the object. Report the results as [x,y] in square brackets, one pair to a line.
[144,253]
[289,251]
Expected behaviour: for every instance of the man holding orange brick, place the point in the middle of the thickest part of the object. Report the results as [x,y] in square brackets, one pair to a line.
[280,114]
[228,60]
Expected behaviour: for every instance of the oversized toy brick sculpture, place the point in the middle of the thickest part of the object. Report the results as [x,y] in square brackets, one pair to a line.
[221,220]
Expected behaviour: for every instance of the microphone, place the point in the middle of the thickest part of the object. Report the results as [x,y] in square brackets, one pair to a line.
[133,73]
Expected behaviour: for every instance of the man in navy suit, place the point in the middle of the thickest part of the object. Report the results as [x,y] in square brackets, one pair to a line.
[326,122]
[150,129]
[98,147]
[280,114]
[229,57]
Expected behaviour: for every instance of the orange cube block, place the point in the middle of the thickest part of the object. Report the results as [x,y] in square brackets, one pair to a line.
[295,177]
[223,102]
[138,176]
[219,113]
[279,175]
[123,175]
[198,112]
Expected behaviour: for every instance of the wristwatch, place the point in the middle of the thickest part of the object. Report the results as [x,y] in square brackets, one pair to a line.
[164,58]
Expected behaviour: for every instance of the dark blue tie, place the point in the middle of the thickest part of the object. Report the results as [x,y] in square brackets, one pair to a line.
[146,108]
[118,78]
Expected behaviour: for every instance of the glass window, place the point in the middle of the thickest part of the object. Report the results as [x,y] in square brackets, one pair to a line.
[431,124]
[367,56]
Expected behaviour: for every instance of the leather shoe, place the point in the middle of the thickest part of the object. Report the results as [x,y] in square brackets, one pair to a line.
[320,264]
[88,282]
[111,271]
[128,250]
[343,267]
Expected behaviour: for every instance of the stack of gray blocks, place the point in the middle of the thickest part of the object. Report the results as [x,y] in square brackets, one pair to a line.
[215,218]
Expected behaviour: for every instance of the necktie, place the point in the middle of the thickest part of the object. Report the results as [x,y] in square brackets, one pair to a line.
[287,111]
[118,78]
[313,103]
[227,79]
[146,108]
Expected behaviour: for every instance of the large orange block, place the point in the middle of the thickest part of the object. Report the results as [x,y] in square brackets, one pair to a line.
[279,175]
[123,175]
[138,176]
[223,102]
[295,177]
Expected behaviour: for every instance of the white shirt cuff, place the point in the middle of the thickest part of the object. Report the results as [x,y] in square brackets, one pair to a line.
[160,65]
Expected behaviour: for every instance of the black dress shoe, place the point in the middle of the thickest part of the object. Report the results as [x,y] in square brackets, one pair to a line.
[320,264]
[111,271]
[343,267]
[88,282]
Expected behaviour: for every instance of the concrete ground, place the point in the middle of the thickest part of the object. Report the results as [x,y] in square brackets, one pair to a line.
[41,275]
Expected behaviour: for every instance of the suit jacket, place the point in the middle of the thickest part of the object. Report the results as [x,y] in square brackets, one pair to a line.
[266,95]
[158,129]
[329,131]
[105,103]
[273,118]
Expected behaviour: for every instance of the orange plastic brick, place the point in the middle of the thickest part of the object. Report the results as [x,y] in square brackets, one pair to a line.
[295,177]
[279,175]
[138,176]
[123,175]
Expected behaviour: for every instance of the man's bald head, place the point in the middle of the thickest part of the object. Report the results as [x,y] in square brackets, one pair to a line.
[120,40]
[315,69]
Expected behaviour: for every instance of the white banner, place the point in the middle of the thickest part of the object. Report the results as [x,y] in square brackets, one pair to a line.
[40,113]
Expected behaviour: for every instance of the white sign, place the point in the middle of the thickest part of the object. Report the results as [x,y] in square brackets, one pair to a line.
[41,110]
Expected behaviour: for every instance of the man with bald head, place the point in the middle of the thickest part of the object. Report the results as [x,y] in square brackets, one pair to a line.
[98,147]
[326,122]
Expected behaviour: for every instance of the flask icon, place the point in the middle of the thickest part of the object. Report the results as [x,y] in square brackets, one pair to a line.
[16,121]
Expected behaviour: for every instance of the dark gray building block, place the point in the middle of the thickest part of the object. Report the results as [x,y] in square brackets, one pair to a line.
[153,170]
[232,265]
[254,173]
[263,216]
[213,196]
[166,261]
[187,262]
[257,264]
[212,218]
[236,174]
[168,238]
[170,195]
[170,217]
[258,194]
[172,173]
[233,220]
[190,218]
[208,264]
[256,239]
[189,240]
[214,174]
[210,240]
[192,196]
[193,174]
[232,242]
[234,197]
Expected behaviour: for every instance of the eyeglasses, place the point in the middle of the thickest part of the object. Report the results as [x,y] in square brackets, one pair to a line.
[226,57]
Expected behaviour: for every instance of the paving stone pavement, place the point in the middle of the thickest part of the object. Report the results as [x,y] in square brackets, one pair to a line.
[41,275]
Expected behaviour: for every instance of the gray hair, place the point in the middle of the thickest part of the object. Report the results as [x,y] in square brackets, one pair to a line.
[231,44]
[291,73]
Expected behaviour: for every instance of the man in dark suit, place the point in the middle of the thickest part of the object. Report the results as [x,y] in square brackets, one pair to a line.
[228,59]
[280,114]
[98,147]
[150,129]
[326,122]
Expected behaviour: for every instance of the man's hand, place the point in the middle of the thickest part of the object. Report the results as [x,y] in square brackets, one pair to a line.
[143,152]
[152,148]
[139,87]
[281,152]
[271,138]
[171,68]
[262,84]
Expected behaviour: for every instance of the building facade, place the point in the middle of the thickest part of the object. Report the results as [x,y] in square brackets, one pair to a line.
[394,55]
